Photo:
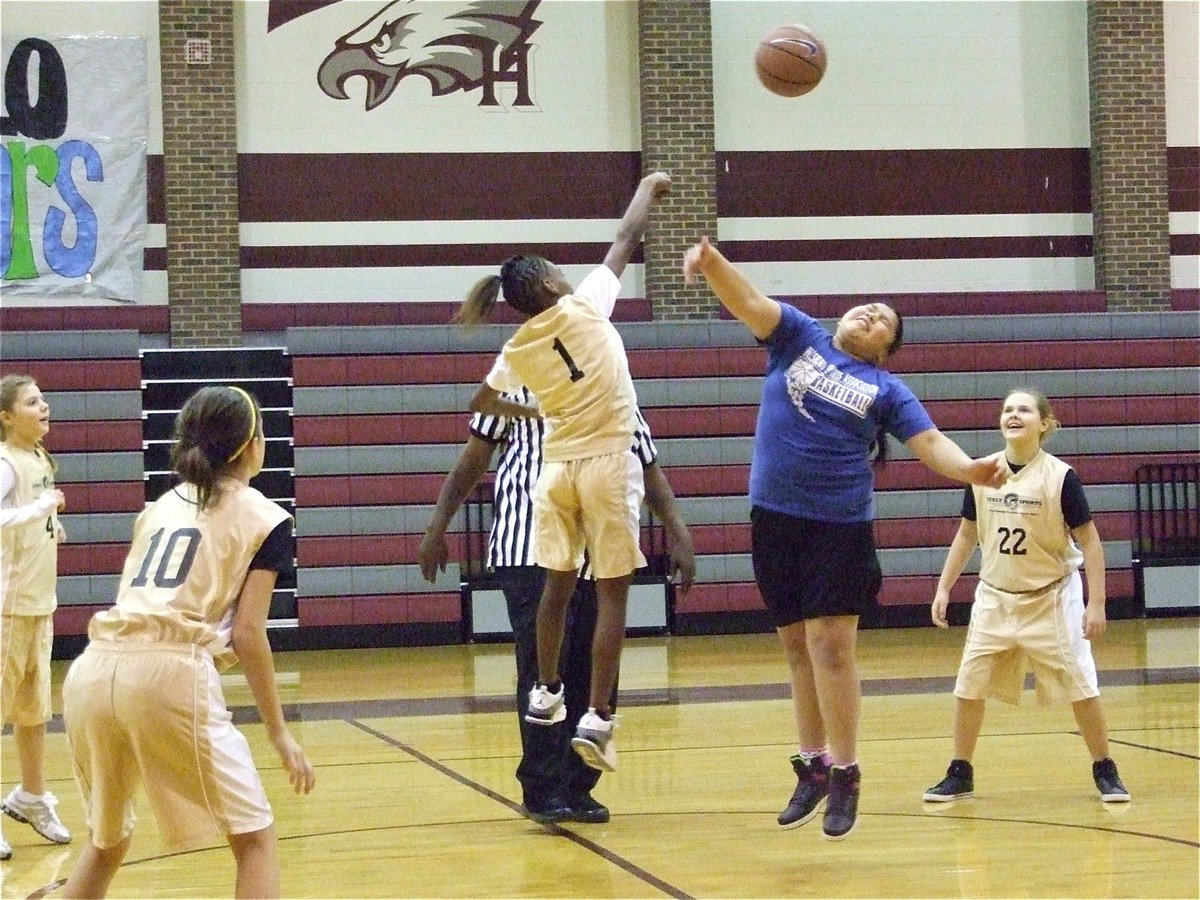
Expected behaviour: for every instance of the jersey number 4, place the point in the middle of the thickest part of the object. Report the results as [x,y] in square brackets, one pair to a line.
[1011,541]
[175,558]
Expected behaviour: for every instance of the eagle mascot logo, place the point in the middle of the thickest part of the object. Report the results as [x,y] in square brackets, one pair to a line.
[483,44]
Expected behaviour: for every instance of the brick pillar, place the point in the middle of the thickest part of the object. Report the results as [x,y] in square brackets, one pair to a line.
[675,56]
[200,164]
[1129,153]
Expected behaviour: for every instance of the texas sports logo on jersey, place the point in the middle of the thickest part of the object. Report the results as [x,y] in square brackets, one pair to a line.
[812,373]
[1012,503]
[455,48]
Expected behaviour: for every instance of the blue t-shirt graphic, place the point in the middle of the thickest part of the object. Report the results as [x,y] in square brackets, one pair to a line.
[820,411]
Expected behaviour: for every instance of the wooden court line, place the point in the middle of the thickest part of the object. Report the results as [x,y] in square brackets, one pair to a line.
[1123,832]
[1113,740]
[319,711]
[345,710]
[617,860]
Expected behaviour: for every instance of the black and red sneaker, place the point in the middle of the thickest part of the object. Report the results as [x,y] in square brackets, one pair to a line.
[841,809]
[811,787]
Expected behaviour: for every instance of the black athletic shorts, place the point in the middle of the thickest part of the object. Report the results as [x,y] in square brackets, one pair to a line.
[807,569]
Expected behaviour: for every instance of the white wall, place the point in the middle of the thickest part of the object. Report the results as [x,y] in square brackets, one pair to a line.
[909,75]
[1181,27]
[585,87]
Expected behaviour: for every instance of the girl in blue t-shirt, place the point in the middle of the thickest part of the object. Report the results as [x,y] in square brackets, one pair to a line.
[826,403]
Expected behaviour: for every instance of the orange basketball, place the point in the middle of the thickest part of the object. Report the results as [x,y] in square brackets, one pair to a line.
[790,60]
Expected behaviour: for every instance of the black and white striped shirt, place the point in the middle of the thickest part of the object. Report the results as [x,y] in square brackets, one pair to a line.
[511,543]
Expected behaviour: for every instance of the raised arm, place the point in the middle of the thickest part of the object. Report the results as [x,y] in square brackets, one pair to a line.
[472,462]
[945,457]
[745,302]
[661,500]
[634,222]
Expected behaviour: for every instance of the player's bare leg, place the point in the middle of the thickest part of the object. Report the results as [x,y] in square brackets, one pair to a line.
[612,596]
[551,621]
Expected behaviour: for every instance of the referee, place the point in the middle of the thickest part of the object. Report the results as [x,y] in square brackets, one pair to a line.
[556,785]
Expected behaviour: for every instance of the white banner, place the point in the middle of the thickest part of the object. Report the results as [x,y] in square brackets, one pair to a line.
[73,170]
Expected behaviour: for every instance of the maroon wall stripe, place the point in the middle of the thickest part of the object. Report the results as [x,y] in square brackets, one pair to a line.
[82,375]
[1185,300]
[952,303]
[667,362]
[903,182]
[357,187]
[910,248]
[156,190]
[277,316]
[833,182]
[417,255]
[1183,178]
[1185,245]
[146,319]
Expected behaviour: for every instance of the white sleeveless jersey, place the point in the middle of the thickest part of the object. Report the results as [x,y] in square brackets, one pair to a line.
[572,358]
[29,551]
[1024,538]
[186,568]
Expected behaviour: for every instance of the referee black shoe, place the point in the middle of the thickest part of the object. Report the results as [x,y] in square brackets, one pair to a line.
[548,812]
[588,810]
[1108,782]
[959,784]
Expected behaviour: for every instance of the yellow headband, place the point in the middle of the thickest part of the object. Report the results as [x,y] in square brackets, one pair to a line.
[253,424]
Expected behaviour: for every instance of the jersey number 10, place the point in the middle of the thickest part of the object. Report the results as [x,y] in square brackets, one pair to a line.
[169,559]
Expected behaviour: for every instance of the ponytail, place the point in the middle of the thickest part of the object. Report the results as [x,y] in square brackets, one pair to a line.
[480,302]
[210,437]
[520,278]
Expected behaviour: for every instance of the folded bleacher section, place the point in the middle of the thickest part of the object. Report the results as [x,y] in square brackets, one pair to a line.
[380,416]
[92,381]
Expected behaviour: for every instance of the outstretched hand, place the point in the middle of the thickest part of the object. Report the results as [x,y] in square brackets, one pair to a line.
[695,258]
[990,471]
[657,182]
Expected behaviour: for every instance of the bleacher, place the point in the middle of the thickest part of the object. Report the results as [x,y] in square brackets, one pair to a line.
[380,415]
[92,381]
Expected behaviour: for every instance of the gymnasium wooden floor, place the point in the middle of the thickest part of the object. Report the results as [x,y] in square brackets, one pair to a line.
[415,750]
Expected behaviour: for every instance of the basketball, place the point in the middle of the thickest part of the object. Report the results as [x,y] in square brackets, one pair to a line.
[790,60]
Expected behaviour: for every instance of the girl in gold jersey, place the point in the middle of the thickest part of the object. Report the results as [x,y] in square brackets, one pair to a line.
[1033,533]
[143,704]
[589,493]
[29,538]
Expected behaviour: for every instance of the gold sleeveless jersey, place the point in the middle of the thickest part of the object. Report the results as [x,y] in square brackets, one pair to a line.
[186,568]
[29,551]
[573,360]
[1025,540]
